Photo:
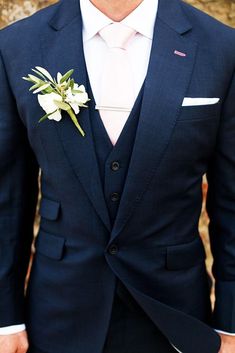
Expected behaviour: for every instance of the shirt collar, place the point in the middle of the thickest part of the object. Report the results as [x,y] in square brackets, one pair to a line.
[94,20]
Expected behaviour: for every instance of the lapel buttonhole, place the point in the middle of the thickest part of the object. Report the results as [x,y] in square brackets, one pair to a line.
[180,53]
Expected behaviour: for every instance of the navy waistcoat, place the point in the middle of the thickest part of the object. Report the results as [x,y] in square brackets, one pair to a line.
[114,161]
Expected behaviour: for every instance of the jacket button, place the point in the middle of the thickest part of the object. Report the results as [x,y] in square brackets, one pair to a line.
[113,249]
[115,166]
[115,197]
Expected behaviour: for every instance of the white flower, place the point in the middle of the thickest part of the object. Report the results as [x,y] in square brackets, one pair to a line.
[57,95]
[74,99]
[47,103]
[59,77]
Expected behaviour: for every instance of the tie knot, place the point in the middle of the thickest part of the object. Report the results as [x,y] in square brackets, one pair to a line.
[117,35]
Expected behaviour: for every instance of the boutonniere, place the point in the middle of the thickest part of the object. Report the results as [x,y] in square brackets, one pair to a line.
[58,94]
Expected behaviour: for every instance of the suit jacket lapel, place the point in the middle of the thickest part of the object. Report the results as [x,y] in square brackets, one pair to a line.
[165,87]
[62,49]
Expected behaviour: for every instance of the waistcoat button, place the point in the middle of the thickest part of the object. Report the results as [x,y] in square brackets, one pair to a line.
[115,197]
[113,249]
[115,166]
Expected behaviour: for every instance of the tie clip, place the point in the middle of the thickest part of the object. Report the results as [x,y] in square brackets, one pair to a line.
[106,107]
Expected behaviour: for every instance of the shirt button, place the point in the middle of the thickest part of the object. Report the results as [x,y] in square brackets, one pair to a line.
[115,166]
[113,249]
[115,197]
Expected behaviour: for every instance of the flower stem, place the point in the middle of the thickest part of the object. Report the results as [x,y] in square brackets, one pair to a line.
[74,119]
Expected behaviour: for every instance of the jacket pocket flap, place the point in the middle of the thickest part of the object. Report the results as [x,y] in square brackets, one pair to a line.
[50,245]
[49,209]
[185,255]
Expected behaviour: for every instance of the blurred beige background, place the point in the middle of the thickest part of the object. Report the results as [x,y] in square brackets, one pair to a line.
[11,10]
[223,10]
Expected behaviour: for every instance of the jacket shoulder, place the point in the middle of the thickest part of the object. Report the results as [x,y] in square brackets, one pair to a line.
[207,24]
[214,37]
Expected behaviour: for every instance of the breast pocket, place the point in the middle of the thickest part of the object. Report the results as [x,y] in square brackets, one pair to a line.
[199,113]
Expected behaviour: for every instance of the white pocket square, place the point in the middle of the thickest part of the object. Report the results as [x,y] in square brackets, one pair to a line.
[187,102]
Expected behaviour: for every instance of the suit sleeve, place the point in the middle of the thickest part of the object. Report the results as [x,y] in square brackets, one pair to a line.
[221,210]
[18,198]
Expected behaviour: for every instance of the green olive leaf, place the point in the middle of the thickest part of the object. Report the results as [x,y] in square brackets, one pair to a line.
[66,76]
[62,105]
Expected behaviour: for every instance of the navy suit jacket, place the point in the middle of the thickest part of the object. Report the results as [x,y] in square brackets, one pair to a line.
[159,255]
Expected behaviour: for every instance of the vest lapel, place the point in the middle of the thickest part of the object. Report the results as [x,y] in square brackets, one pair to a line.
[165,87]
[62,49]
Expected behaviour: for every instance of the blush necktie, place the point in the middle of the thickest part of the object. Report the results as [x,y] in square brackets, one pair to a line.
[117,86]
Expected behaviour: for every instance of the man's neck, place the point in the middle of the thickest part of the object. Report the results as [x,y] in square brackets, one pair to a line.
[117,10]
